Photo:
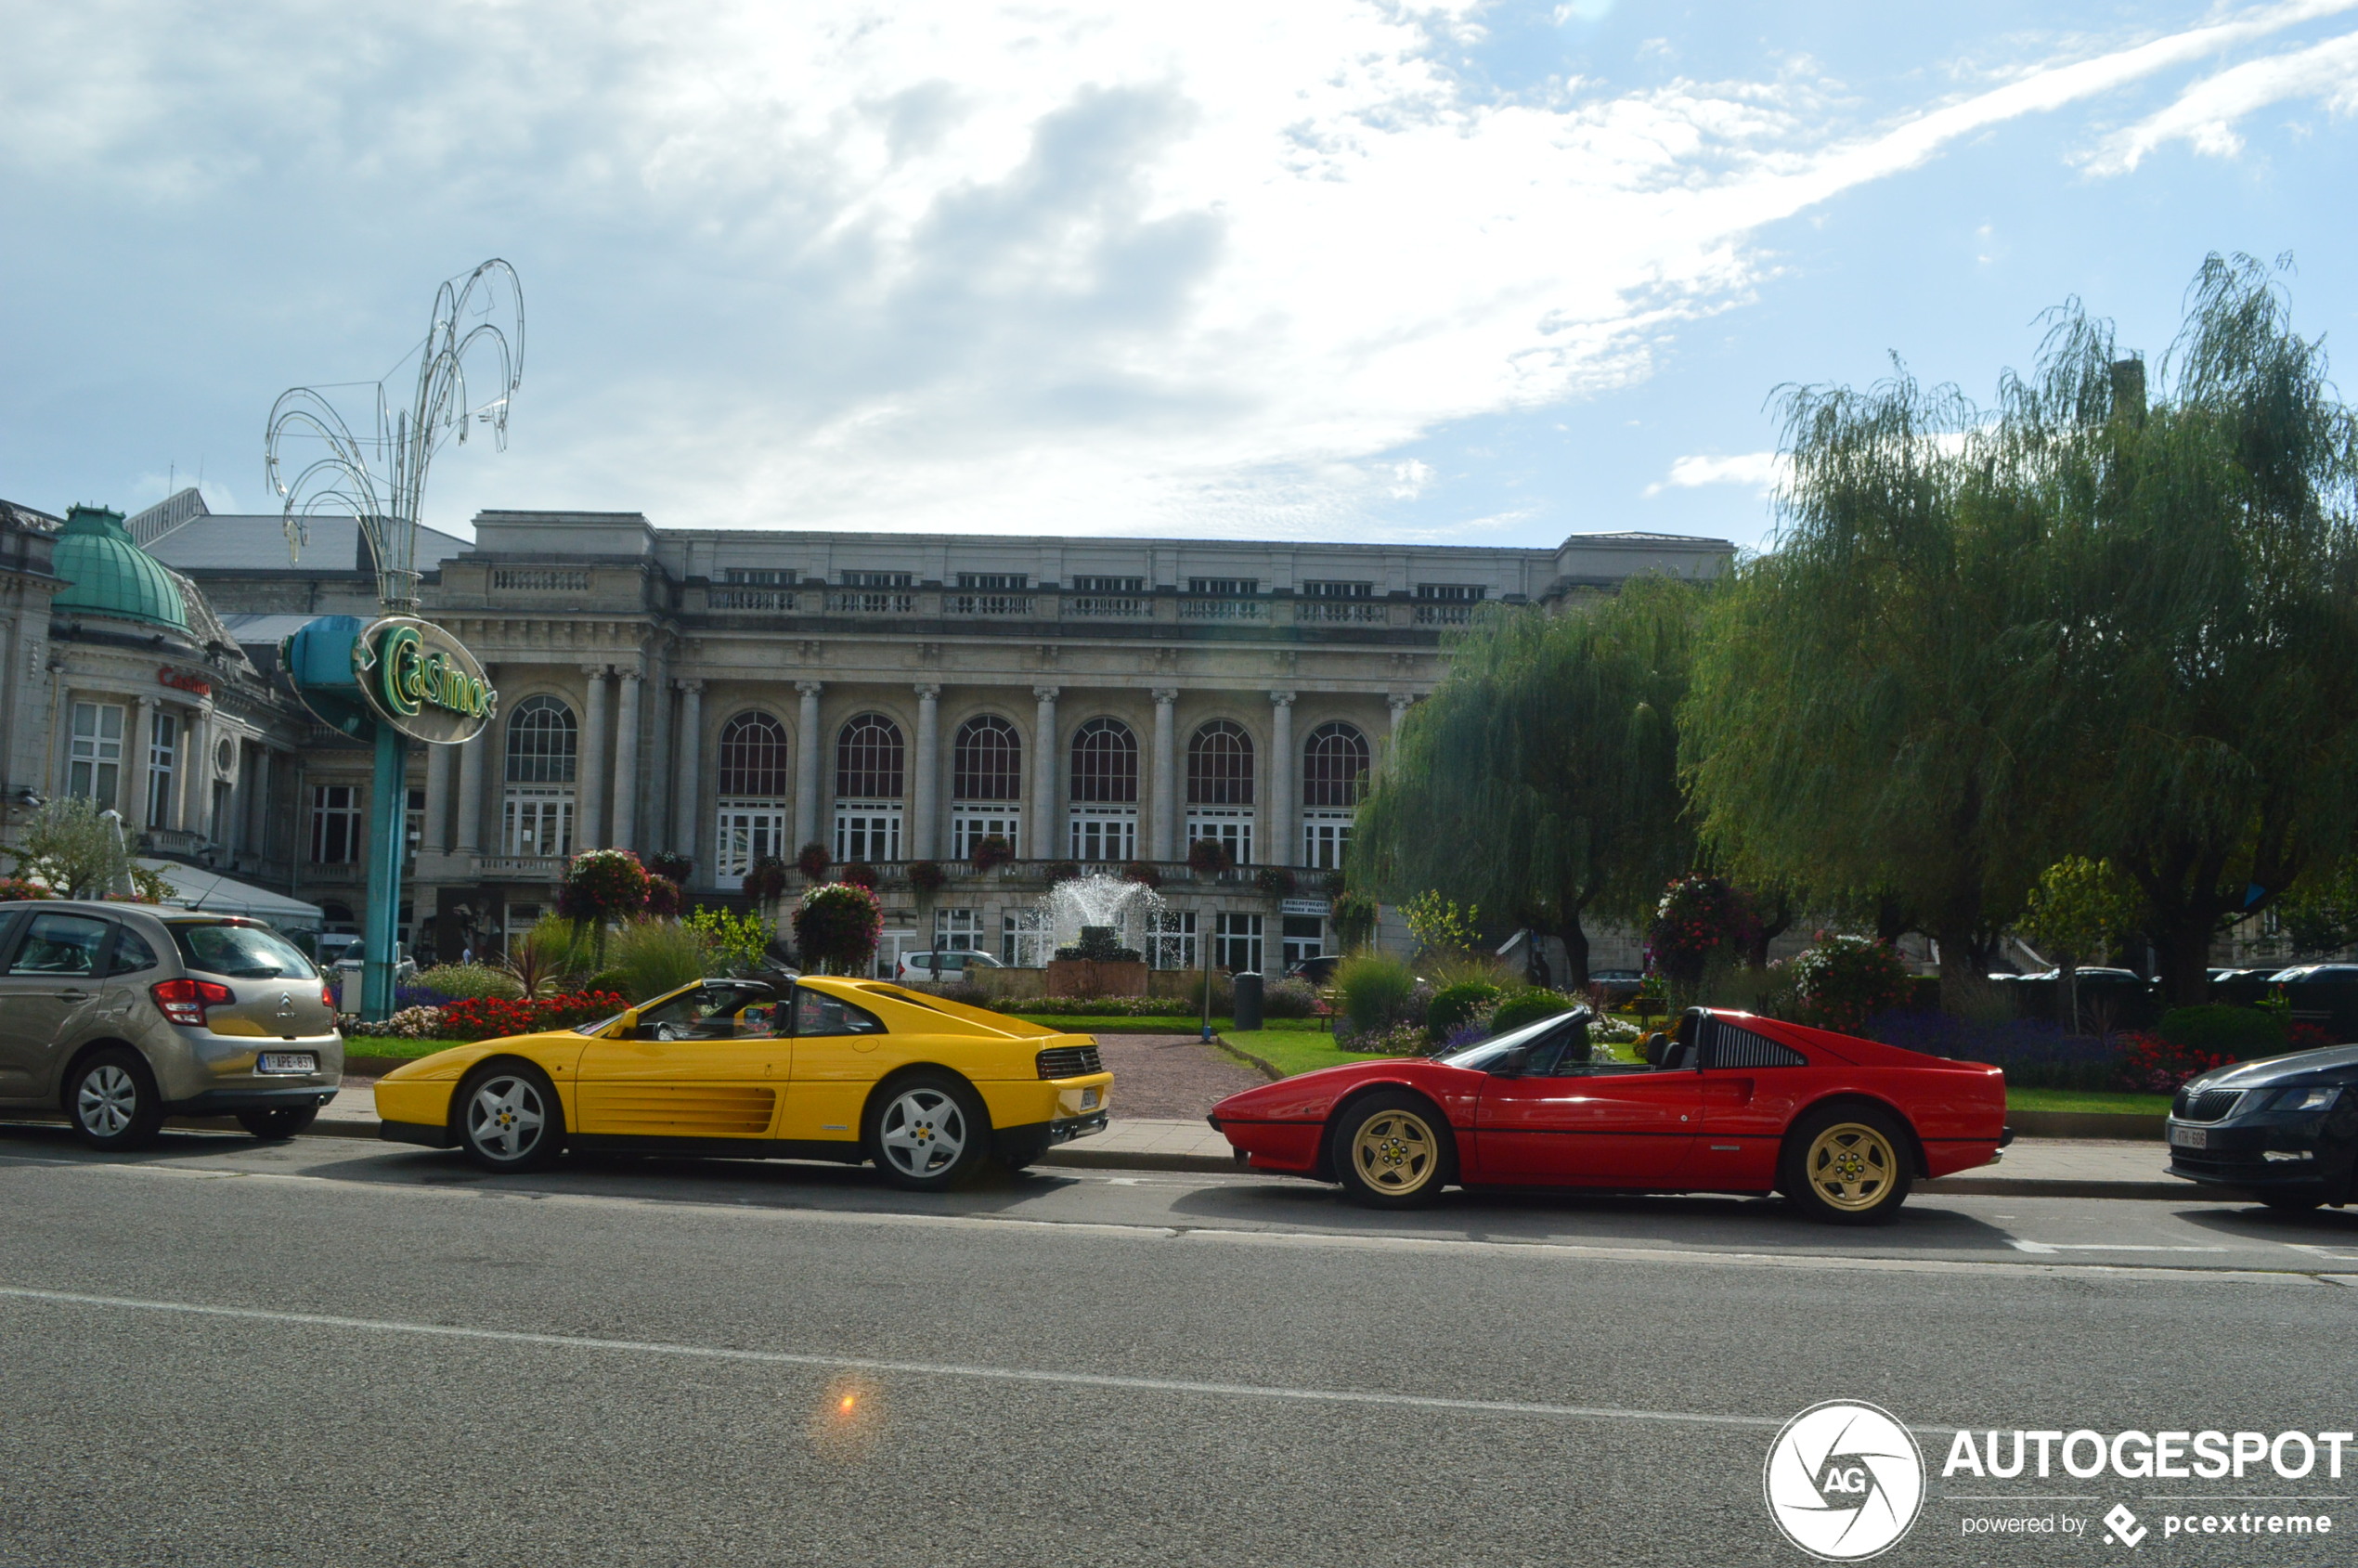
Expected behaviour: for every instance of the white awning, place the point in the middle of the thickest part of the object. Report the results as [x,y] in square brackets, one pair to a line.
[193,888]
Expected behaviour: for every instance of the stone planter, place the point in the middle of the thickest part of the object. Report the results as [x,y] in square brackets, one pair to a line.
[1094,976]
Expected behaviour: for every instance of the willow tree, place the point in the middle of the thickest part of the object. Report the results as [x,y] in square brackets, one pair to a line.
[1869,709]
[1540,781]
[2205,579]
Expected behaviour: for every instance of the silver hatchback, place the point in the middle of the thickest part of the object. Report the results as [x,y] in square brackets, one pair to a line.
[121,1015]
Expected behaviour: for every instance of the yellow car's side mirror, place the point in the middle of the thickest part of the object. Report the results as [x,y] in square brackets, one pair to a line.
[627,1027]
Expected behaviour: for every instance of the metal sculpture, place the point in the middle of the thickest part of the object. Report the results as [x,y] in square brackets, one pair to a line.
[383,496]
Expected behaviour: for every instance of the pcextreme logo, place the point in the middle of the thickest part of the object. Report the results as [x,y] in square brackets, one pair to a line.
[1844,1481]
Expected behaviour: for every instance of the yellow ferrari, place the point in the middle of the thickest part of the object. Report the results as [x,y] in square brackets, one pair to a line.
[820,1068]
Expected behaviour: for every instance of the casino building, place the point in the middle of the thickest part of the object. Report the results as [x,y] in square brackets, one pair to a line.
[730,695]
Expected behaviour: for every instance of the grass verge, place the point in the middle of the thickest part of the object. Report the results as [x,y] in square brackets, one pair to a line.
[381,1045]
[1098,1025]
[2097,1100]
[1291,1051]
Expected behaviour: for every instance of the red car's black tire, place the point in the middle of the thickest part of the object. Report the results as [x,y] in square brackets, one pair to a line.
[1846,1165]
[1392,1149]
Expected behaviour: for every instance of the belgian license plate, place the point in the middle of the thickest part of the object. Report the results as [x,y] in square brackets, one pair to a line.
[2190,1137]
[1088,1099]
[287,1061]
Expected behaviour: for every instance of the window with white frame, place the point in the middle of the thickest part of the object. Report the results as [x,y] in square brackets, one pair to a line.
[537,819]
[336,812]
[871,764]
[535,811]
[1236,947]
[1025,940]
[867,832]
[1104,835]
[751,815]
[413,823]
[1326,838]
[1305,936]
[985,780]
[1104,820]
[93,766]
[164,767]
[1171,940]
[1334,780]
[957,930]
[969,825]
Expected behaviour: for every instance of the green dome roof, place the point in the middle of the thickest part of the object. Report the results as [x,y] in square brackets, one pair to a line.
[110,576]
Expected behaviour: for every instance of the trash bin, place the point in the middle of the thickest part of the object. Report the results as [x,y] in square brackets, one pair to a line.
[1248,999]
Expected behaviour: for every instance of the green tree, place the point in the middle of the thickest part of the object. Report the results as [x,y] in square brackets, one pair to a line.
[2319,916]
[2075,912]
[1540,781]
[78,850]
[2203,572]
[1865,702]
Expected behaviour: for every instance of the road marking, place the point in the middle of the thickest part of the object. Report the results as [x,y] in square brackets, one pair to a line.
[912,1368]
[487,1189]
[2104,1247]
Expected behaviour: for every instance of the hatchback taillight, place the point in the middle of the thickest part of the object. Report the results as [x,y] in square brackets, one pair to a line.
[184,1001]
[328,997]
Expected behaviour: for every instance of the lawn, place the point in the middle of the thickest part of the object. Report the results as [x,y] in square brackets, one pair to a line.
[2122,1104]
[380,1045]
[1094,1024]
[1290,1050]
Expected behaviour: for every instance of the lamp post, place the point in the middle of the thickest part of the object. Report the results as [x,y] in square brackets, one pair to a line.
[379,482]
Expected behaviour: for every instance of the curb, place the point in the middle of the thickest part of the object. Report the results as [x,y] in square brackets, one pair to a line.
[1267,1069]
[2024,1187]
[1129,1160]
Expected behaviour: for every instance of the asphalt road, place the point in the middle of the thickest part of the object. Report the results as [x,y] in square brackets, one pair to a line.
[225,1352]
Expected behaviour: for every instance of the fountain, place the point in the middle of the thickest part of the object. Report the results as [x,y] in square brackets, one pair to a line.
[1088,920]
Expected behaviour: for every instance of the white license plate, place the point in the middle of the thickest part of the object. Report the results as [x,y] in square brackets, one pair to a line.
[2190,1137]
[287,1061]
[1088,1099]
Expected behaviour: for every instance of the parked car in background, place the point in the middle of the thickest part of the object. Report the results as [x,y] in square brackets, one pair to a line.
[1619,985]
[953,965]
[121,1015]
[1840,1126]
[2283,1127]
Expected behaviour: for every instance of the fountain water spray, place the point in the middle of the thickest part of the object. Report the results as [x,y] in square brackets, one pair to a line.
[1096,900]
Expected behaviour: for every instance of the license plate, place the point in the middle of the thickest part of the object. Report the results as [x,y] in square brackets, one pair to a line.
[2190,1137]
[287,1061]
[1088,1099]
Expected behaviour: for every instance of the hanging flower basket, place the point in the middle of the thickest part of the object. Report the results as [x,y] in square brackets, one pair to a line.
[836,925]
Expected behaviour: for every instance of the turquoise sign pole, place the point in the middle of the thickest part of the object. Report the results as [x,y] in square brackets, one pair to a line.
[388,831]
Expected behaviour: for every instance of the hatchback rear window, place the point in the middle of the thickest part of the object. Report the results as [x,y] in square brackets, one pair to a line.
[253,952]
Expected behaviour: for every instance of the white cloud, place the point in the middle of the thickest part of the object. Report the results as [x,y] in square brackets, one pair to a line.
[2204,116]
[1759,471]
[1044,267]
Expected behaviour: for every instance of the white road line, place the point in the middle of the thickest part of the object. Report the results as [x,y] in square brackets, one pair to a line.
[909,1368]
[1563,1252]
[2104,1247]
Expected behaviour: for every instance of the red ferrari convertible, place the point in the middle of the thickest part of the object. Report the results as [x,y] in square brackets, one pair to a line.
[1741,1104]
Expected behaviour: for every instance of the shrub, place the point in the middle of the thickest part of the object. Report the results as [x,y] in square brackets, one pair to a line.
[408,996]
[766,879]
[1844,981]
[1445,968]
[1528,1007]
[1116,1006]
[2156,1066]
[859,873]
[812,860]
[2035,1052]
[836,926]
[664,897]
[1290,999]
[1400,1039]
[18,888]
[457,982]
[964,991]
[2237,1033]
[496,1018]
[994,851]
[410,1023]
[1144,872]
[1207,857]
[1697,916]
[648,957]
[926,876]
[671,863]
[737,942]
[1456,1005]
[602,884]
[1274,881]
[1373,989]
[544,958]
[1354,920]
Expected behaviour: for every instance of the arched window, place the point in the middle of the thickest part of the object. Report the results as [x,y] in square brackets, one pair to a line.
[1334,766]
[542,742]
[753,758]
[869,759]
[1220,765]
[987,761]
[1104,762]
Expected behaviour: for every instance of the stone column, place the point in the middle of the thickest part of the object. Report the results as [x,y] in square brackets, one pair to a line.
[196,780]
[1047,829]
[925,799]
[811,748]
[141,723]
[434,838]
[624,832]
[469,831]
[1165,822]
[1400,705]
[1278,816]
[590,768]
[688,809]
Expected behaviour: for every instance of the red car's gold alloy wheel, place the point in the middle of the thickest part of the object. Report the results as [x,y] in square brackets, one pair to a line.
[1851,1165]
[1395,1152]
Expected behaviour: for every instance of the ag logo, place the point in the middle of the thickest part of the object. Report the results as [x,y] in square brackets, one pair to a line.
[1844,1481]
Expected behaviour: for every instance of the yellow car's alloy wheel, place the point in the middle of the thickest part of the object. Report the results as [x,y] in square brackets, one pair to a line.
[1395,1152]
[1852,1166]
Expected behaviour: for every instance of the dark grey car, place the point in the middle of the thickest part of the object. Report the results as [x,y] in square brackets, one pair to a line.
[2285,1127]
[120,1014]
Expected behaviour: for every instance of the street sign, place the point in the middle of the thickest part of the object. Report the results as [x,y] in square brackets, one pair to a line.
[1303,906]
[422,680]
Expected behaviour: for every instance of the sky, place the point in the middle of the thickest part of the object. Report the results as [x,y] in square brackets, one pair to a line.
[1333,269]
